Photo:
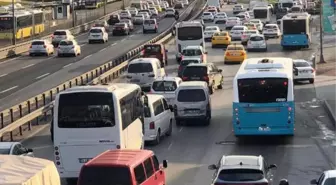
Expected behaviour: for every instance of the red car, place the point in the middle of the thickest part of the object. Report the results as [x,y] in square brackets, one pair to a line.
[156,51]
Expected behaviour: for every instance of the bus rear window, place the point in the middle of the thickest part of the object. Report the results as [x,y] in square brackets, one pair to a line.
[190,33]
[86,110]
[105,175]
[262,90]
[294,26]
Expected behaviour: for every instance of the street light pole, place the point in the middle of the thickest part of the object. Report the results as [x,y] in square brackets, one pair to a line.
[321,34]
[14,25]
[105,4]
[73,13]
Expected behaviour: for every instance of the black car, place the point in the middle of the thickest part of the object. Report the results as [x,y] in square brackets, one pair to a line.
[204,72]
[113,19]
[183,65]
[178,6]
[121,29]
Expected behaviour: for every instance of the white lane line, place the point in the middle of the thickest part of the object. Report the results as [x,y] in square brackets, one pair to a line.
[8,89]
[139,31]
[87,56]
[44,75]
[131,36]
[3,75]
[113,44]
[122,40]
[181,129]
[170,145]
[27,66]
[82,45]
[9,60]
[101,50]
[67,65]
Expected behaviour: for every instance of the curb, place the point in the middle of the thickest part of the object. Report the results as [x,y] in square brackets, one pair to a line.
[330,112]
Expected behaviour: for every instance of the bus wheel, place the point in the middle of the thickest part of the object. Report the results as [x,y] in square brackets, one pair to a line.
[157,139]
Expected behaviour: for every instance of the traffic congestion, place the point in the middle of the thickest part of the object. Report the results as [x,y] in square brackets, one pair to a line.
[114,133]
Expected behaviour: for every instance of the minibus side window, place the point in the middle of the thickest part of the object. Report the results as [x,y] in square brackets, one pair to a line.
[149,167]
[140,175]
[156,163]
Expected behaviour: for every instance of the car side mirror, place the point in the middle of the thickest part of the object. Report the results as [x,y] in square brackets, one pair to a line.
[171,108]
[272,166]
[314,181]
[165,163]
[212,167]
[29,150]
[220,70]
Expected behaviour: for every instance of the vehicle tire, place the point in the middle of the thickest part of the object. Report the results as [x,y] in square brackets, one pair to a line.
[207,122]
[211,88]
[220,86]
[59,55]
[213,46]
[170,131]
[157,139]
[156,30]
[311,81]
[90,42]
[166,62]
[178,122]
[144,31]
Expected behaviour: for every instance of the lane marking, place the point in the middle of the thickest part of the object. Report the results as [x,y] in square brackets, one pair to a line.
[42,76]
[101,50]
[113,44]
[67,65]
[3,75]
[8,89]
[9,60]
[181,129]
[87,56]
[170,145]
[131,36]
[82,45]
[122,40]
[139,31]
[27,66]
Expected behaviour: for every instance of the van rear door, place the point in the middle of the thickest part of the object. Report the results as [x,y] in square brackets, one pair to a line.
[140,73]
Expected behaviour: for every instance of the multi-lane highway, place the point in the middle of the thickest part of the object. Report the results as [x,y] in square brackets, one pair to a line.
[192,148]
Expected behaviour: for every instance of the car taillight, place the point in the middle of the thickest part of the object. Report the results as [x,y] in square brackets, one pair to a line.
[152,125]
[206,78]
[184,78]
[312,70]
[142,52]
[242,54]
[30,46]
[227,54]
[52,36]
[44,46]
[289,109]
[182,57]
[57,156]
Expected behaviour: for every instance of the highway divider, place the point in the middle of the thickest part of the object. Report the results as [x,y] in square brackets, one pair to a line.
[20,117]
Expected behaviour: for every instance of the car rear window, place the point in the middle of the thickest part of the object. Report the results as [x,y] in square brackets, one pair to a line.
[186,62]
[235,48]
[191,95]
[240,175]
[149,22]
[220,34]
[120,25]
[301,64]
[256,38]
[195,71]
[140,68]
[270,27]
[38,43]
[241,16]
[207,13]
[152,49]
[66,43]
[59,33]
[238,28]
[95,31]
[191,52]
[105,175]
[164,86]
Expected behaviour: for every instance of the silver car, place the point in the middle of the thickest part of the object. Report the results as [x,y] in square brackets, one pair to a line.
[129,23]
[15,148]
[138,19]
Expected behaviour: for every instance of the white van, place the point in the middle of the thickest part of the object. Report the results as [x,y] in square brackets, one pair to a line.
[98,34]
[192,102]
[166,86]
[143,71]
[158,118]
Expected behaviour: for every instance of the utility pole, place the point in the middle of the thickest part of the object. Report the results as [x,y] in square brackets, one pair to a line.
[123,6]
[14,25]
[105,4]
[321,34]
[73,13]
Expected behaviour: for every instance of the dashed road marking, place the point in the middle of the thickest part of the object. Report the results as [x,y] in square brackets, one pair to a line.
[87,56]
[44,75]
[3,75]
[8,89]
[113,44]
[27,66]
[170,145]
[122,40]
[181,129]
[67,65]
[102,50]
[131,36]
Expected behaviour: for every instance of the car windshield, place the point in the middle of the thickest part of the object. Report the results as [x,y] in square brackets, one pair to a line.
[140,68]
[191,52]
[4,151]
[240,175]
[164,86]
[66,43]
[256,38]
[330,181]
[301,64]
[191,95]
[195,71]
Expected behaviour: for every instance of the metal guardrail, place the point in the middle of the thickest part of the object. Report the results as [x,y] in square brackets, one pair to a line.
[42,104]
[20,48]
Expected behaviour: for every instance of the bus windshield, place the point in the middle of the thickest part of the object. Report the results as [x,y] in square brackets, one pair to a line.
[262,90]
[294,27]
[260,14]
[86,110]
[190,33]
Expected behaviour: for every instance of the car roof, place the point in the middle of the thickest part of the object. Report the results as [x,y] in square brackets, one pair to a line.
[97,27]
[38,40]
[199,64]
[60,30]
[7,145]
[240,161]
[239,26]
[168,78]
[144,60]
[190,58]
[271,25]
[193,84]
[154,97]
[330,173]
[256,35]
[192,47]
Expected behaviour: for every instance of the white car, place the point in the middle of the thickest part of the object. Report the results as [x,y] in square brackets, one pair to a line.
[185,2]
[97,34]
[232,21]
[15,148]
[41,47]
[327,178]
[194,52]
[257,42]
[243,17]
[153,11]
[133,11]
[304,71]
[125,14]
[164,4]
[271,31]
[259,24]
[68,47]
[232,1]
[61,35]
[145,14]
[208,17]
[129,23]
[150,25]
[237,9]
[220,18]
[166,87]
[246,36]
[158,118]
[102,23]
[138,19]
[170,12]
[209,31]
[237,32]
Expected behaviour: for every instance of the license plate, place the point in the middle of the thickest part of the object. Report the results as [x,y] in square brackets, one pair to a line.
[84,160]
[195,78]
[235,54]
[192,111]
[264,129]
[135,80]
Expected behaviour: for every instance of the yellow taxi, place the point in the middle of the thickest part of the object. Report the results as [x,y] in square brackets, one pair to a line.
[158,7]
[235,53]
[251,26]
[220,39]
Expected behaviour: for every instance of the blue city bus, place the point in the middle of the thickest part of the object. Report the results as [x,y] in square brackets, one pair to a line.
[263,97]
[295,29]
